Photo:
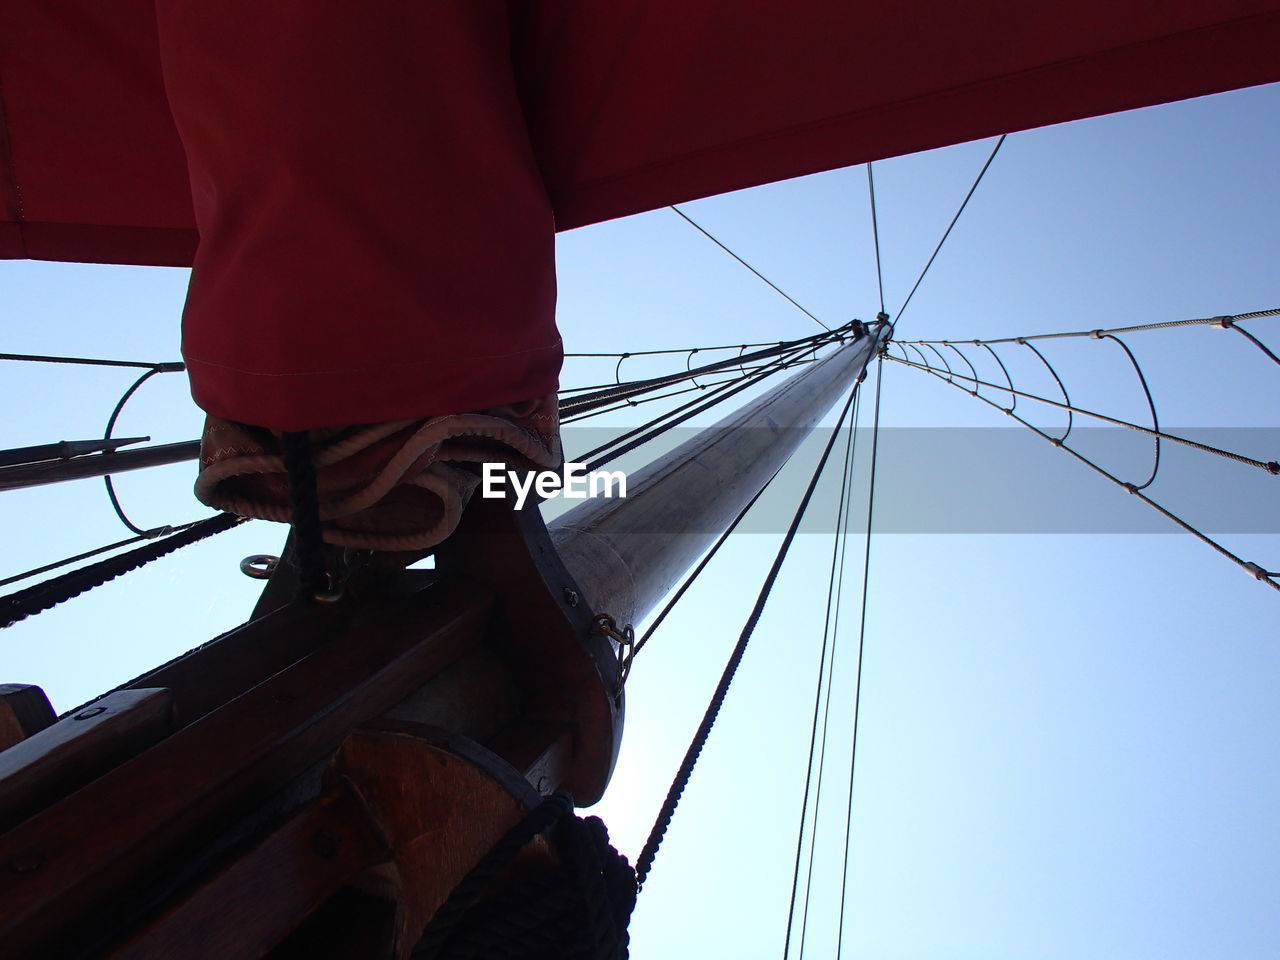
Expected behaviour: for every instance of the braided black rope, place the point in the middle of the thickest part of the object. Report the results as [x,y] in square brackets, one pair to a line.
[32,600]
[681,780]
[579,908]
[304,501]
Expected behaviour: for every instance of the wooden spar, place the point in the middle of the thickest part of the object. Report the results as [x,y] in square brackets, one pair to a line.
[97,464]
[626,553]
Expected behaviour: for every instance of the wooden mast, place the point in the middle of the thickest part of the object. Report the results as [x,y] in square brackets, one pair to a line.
[317,781]
[627,553]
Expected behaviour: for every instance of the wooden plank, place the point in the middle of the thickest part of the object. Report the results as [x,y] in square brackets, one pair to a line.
[63,757]
[254,903]
[131,826]
[24,710]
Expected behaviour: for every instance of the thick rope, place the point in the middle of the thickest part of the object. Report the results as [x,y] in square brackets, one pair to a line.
[645,862]
[580,909]
[313,582]
[25,603]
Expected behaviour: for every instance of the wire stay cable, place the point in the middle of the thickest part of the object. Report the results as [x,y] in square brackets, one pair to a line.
[654,353]
[875,233]
[1270,578]
[693,576]
[96,552]
[862,636]
[831,635]
[168,367]
[644,863]
[600,398]
[1270,466]
[594,459]
[40,597]
[951,226]
[1226,321]
[773,286]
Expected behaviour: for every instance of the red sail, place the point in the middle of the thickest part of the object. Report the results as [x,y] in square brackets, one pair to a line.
[292,115]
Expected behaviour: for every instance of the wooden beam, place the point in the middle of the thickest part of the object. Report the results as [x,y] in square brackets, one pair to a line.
[24,710]
[130,827]
[254,903]
[70,753]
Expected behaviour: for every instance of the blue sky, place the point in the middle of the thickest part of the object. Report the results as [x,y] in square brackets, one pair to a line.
[1067,740]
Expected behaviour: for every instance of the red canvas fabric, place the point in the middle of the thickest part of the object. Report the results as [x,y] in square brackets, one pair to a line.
[374,185]
[376,241]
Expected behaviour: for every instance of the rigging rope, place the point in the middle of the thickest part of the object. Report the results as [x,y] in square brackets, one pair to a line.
[111,425]
[1227,321]
[577,908]
[1270,578]
[830,634]
[97,551]
[304,502]
[32,600]
[170,367]
[1270,466]
[771,284]
[643,434]
[875,233]
[645,861]
[862,635]
[567,393]
[750,375]
[655,353]
[967,197]
[693,576]
[599,399]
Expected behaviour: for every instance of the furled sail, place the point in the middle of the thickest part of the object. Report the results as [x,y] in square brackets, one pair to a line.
[370,184]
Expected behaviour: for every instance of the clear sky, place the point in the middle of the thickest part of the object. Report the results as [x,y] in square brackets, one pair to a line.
[1067,739]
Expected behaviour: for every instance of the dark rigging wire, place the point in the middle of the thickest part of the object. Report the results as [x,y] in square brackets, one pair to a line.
[950,226]
[771,284]
[875,233]
[862,634]
[830,635]
[649,431]
[1270,578]
[693,576]
[644,863]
